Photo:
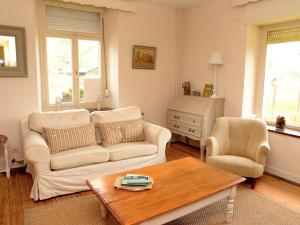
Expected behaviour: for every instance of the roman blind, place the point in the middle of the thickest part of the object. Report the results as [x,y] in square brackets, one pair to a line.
[284,35]
[65,19]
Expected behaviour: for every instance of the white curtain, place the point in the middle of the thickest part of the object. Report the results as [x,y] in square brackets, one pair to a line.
[124,5]
[235,3]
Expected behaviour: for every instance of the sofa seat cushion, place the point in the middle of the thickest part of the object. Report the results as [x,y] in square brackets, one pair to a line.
[79,157]
[130,150]
[239,165]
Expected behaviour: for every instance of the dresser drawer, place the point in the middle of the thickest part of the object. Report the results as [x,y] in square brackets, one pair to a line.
[185,129]
[187,118]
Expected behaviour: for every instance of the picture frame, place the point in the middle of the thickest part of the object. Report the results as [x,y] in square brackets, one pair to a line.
[144,57]
[13,58]
[208,90]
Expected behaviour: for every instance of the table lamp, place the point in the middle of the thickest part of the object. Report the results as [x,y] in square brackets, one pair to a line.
[215,60]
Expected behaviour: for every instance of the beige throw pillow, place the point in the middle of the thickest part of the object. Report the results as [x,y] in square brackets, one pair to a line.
[121,132]
[133,130]
[62,139]
[109,133]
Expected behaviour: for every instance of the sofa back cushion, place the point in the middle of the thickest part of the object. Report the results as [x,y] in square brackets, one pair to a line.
[60,119]
[62,139]
[129,113]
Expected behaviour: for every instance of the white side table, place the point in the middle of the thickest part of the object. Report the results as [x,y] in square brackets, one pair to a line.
[3,142]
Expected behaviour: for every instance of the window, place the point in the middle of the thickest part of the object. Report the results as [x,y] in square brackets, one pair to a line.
[72,57]
[282,76]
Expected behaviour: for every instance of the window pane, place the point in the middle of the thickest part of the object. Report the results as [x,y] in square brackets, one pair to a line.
[89,70]
[282,82]
[59,63]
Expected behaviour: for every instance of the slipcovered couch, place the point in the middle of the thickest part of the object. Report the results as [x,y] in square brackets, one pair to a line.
[66,172]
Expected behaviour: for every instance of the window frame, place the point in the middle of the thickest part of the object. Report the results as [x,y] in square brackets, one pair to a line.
[262,66]
[75,37]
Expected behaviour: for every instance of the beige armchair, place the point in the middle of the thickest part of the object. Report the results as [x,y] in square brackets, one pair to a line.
[239,146]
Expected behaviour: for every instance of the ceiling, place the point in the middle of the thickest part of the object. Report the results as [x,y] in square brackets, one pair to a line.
[175,3]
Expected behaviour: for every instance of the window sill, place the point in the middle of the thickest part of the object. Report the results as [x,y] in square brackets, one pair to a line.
[286,131]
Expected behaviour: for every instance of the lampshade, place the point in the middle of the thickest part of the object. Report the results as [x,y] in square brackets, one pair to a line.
[216,59]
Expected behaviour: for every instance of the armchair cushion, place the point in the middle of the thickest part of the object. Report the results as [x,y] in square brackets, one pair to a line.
[79,157]
[131,150]
[236,164]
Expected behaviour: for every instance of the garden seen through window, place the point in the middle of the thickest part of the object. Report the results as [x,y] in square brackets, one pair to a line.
[282,82]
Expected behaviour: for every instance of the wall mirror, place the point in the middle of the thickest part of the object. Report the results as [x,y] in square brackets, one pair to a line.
[13,62]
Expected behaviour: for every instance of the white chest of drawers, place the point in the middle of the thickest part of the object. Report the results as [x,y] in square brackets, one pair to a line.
[194,117]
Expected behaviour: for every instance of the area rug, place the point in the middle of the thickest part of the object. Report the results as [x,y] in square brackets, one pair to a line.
[251,208]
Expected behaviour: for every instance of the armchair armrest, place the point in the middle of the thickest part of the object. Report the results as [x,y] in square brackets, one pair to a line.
[157,135]
[212,146]
[262,153]
[36,150]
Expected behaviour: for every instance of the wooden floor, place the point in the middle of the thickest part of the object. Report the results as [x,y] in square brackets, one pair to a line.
[14,192]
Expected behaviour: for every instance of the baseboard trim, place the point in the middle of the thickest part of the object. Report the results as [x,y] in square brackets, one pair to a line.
[284,174]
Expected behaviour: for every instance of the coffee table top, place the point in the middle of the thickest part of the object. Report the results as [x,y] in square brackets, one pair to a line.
[177,183]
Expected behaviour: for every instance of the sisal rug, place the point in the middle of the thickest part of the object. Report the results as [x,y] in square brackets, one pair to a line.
[250,209]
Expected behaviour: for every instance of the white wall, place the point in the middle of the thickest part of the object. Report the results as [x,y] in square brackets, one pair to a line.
[19,96]
[216,26]
[152,90]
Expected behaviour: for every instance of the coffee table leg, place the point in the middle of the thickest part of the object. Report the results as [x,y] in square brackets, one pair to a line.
[103,210]
[229,207]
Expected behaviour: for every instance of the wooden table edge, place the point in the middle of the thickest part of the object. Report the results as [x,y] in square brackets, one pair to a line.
[116,216]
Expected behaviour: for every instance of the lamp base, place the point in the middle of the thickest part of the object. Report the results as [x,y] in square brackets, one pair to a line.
[214,95]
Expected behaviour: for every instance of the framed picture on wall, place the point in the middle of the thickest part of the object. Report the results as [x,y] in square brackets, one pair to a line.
[13,62]
[208,90]
[144,57]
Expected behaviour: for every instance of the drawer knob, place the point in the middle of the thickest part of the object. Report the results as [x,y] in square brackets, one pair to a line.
[176,117]
[194,121]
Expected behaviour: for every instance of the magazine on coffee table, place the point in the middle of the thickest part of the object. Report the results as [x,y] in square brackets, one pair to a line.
[134,182]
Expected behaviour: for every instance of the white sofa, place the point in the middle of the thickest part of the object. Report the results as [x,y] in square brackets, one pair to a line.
[66,172]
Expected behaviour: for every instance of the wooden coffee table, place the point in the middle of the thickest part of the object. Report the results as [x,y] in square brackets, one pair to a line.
[181,187]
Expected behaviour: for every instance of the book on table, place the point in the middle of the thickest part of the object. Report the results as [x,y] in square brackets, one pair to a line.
[135,180]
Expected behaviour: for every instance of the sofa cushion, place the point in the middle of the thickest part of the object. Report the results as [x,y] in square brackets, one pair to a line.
[133,130]
[74,117]
[61,139]
[129,113]
[79,157]
[109,133]
[130,150]
[239,165]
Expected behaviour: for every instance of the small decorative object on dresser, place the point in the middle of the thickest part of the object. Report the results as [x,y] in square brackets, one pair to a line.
[208,90]
[193,117]
[186,88]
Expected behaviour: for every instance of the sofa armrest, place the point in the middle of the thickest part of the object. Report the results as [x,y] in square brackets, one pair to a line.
[36,150]
[262,152]
[211,145]
[157,135]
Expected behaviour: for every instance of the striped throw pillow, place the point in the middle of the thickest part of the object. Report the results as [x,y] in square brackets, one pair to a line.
[117,132]
[110,133]
[133,130]
[62,139]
